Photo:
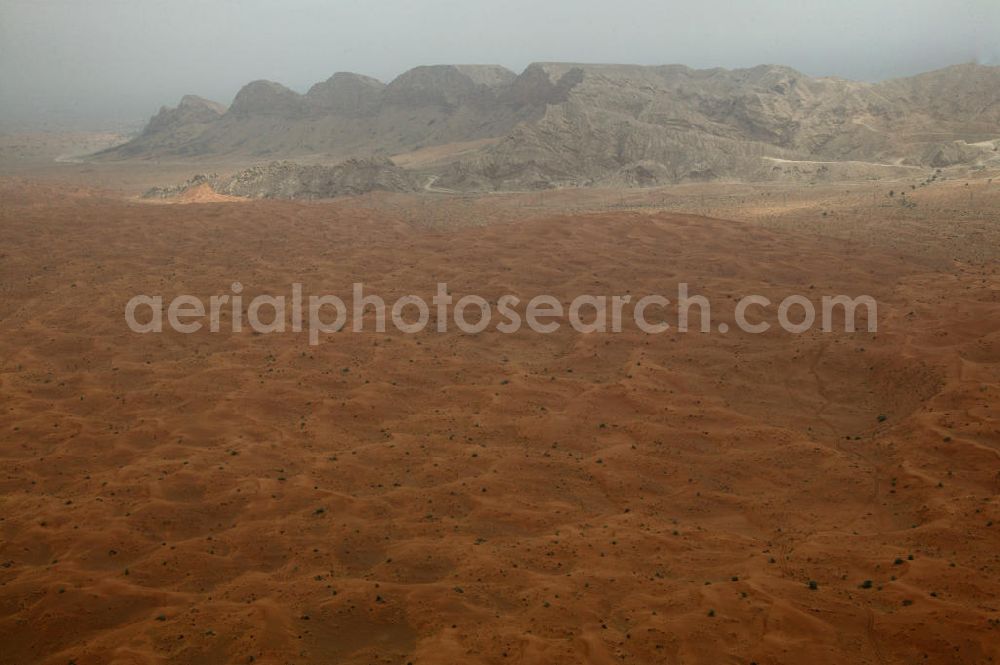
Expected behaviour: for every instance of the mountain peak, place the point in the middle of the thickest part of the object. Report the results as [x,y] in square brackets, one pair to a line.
[266,98]
[345,93]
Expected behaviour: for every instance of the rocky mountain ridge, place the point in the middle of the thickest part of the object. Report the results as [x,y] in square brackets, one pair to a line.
[566,124]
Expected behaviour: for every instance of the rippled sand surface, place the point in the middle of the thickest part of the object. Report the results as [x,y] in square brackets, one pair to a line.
[491,498]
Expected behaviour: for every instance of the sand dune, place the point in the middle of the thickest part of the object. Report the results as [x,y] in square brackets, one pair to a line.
[488,498]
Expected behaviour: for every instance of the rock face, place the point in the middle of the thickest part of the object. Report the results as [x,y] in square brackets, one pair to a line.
[656,125]
[288,180]
[563,124]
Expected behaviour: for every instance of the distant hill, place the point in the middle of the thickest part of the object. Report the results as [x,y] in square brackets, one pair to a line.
[559,124]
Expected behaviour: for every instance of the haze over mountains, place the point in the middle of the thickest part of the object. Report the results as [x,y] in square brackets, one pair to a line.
[483,127]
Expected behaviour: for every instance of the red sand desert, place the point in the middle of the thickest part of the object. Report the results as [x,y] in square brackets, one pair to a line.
[492,498]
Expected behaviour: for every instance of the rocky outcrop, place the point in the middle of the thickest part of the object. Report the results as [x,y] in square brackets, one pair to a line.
[173,191]
[288,180]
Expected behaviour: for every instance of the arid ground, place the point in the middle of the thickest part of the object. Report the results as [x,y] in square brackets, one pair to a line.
[492,498]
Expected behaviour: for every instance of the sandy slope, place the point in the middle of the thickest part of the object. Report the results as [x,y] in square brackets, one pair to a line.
[487,499]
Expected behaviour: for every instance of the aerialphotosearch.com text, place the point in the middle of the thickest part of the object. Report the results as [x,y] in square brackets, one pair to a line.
[318,315]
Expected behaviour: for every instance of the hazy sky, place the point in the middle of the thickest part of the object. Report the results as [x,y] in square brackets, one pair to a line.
[106,61]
